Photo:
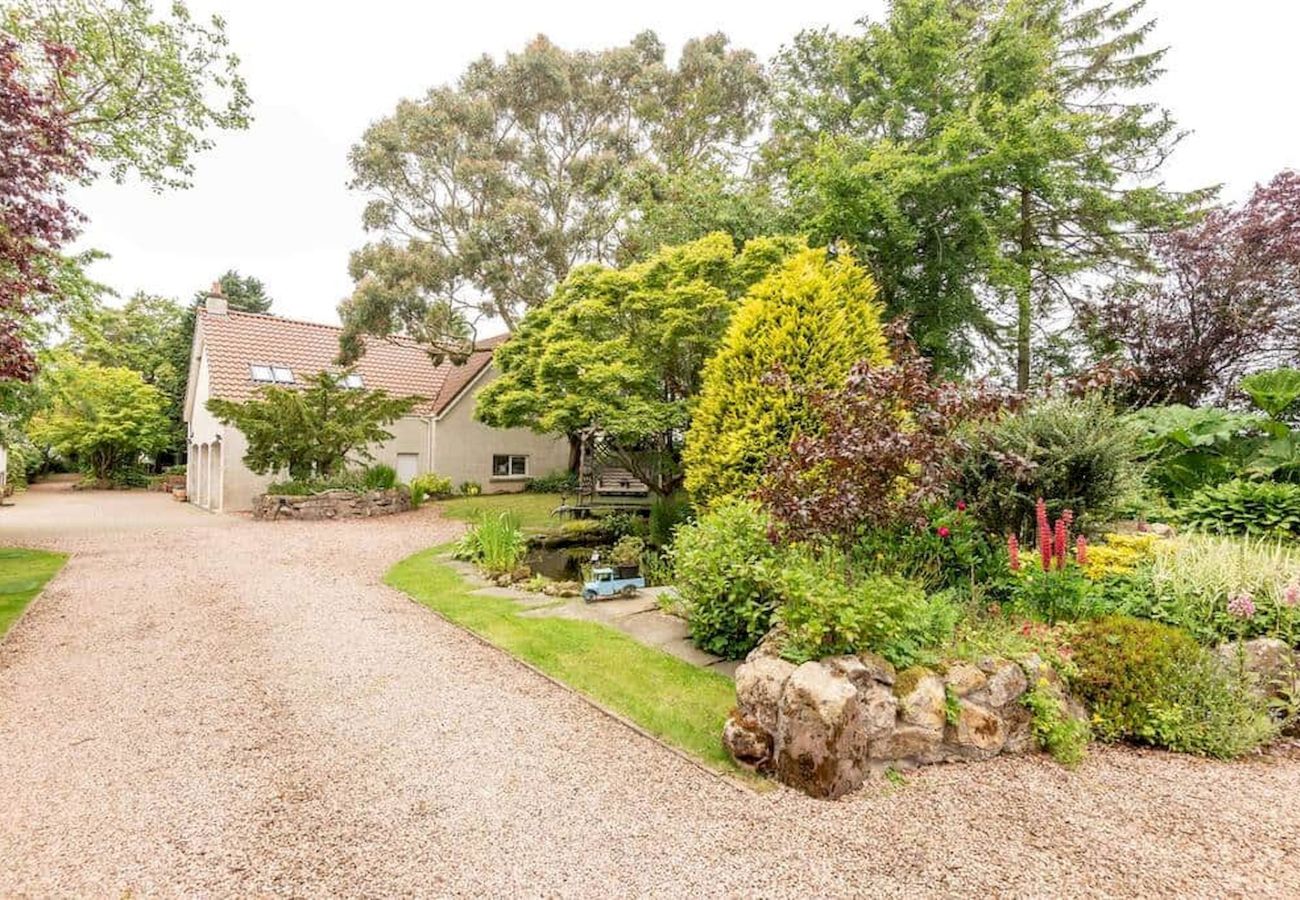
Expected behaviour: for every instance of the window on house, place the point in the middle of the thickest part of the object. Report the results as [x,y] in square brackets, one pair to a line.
[505,466]
[261,373]
[353,380]
[282,375]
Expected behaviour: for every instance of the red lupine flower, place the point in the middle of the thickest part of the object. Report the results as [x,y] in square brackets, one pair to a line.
[1044,534]
[1013,553]
[1062,536]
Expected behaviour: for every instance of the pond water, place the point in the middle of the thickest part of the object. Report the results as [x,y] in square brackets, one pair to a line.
[559,563]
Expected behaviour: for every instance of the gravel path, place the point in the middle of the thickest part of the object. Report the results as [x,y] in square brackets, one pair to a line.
[209,705]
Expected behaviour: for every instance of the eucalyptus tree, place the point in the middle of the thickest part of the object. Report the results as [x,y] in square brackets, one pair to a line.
[486,193]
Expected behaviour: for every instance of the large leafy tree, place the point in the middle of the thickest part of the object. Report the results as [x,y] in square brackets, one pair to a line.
[485,194]
[103,418]
[872,135]
[311,431]
[981,150]
[801,329]
[1226,302]
[621,350]
[39,155]
[145,335]
[140,90]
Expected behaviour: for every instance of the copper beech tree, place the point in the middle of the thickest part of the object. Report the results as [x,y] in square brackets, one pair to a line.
[39,156]
[1227,302]
[885,445]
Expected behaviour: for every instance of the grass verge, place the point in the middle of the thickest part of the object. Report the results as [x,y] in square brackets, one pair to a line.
[23,574]
[677,702]
[533,510]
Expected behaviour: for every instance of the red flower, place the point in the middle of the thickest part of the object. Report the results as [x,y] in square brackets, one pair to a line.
[1013,553]
[943,531]
[961,505]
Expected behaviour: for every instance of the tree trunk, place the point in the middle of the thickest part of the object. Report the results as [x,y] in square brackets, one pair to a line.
[575,453]
[1024,305]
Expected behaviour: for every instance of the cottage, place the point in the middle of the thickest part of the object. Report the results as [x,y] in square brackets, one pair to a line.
[236,353]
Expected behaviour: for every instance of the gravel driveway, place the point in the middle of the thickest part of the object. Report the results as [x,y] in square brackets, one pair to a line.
[204,704]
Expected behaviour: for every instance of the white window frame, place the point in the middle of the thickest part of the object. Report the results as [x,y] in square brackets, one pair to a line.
[282,374]
[261,374]
[511,459]
[353,381]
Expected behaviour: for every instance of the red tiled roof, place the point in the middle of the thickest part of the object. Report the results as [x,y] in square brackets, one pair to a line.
[398,365]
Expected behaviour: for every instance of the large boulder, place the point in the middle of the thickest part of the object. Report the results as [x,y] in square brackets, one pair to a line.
[748,742]
[978,733]
[759,683]
[921,698]
[1270,664]
[963,678]
[1006,683]
[821,742]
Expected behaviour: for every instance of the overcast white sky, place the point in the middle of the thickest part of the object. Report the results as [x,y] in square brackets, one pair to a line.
[273,201]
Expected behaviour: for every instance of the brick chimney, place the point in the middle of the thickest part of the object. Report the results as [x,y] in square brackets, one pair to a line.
[216,302]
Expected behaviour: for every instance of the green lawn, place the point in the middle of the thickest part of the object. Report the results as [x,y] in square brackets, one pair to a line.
[533,510]
[22,575]
[680,703]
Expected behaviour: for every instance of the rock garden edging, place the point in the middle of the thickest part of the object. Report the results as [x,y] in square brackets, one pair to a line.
[331,504]
[824,726]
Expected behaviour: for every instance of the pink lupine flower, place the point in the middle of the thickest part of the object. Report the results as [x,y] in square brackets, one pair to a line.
[1062,536]
[1081,550]
[1013,553]
[1291,594]
[1242,606]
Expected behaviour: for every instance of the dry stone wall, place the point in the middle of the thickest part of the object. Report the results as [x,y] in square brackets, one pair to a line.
[824,726]
[331,505]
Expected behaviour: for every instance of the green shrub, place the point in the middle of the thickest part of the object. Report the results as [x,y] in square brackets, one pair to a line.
[429,486]
[179,469]
[380,477]
[350,480]
[1244,507]
[496,543]
[561,481]
[1153,683]
[948,549]
[1075,453]
[722,564]
[1192,579]
[1065,738]
[627,551]
[469,489]
[622,524]
[824,615]
[666,514]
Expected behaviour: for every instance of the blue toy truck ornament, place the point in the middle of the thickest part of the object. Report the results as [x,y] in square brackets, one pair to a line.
[603,584]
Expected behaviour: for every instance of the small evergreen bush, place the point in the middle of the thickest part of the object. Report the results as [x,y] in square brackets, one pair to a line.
[1153,683]
[1077,453]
